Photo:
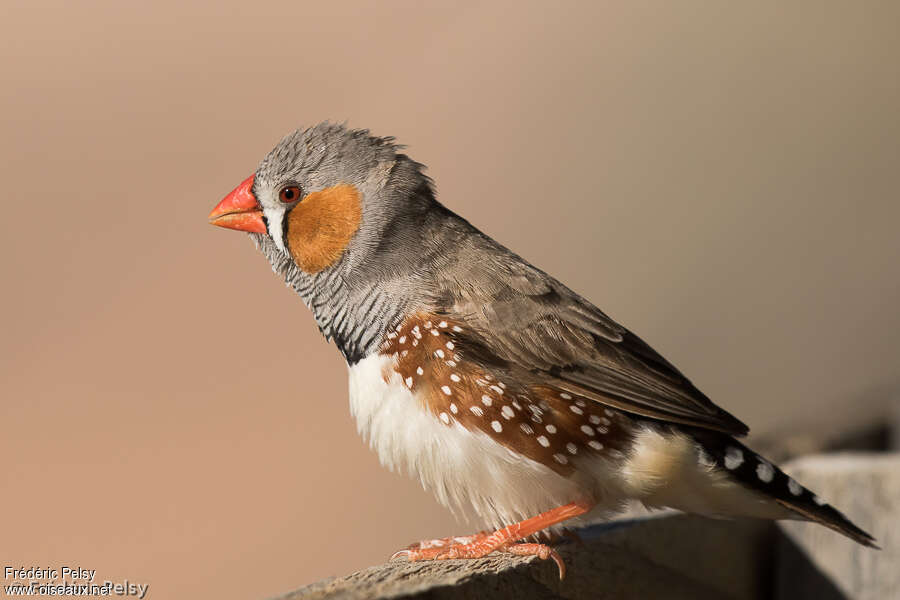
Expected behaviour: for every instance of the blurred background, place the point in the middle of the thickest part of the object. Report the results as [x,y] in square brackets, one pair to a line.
[722,179]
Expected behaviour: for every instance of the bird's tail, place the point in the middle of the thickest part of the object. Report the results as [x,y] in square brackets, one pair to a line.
[761,475]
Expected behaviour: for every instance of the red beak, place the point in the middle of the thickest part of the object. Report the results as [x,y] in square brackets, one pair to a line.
[239,210]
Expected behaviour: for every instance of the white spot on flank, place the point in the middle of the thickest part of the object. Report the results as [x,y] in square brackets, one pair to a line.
[580,403]
[560,459]
[526,428]
[501,384]
[427,324]
[496,426]
[435,332]
[587,430]
[415,342]
[594,419]
[439,353]
[409,382]
[442,324]
[576,410]
[454,377]
[572,448]
[449,345]
[404,353]
[565,396]
[516,405]
[391,335]
[765,472]
[794,487]
[453,408]
[450,363]
[551,428]
[507,412]
[733,458]
[595,445]
[486,400]
[497,389]
[419,370]
[446,389]
[402,339]
[457,328]
[476,410]
[543,441]
[445,418]
[609,413]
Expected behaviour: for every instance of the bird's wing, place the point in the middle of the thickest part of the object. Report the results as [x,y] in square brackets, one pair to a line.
[520,318]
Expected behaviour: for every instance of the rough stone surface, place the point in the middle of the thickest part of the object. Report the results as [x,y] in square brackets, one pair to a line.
[866,487]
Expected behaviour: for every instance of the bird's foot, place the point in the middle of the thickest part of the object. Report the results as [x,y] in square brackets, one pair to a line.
[502,540]
[479,549]
[447,541]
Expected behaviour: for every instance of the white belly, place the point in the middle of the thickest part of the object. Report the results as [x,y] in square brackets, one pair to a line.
[467,470]
[472,474]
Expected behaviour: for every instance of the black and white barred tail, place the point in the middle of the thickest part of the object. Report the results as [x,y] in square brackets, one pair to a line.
[761,475]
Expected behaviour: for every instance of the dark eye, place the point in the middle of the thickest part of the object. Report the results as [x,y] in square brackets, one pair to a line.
[289,194]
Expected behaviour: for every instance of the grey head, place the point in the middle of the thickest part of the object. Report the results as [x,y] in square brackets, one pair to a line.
[377,265]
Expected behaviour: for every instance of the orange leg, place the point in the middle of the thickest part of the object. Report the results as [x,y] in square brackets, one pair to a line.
[504,539]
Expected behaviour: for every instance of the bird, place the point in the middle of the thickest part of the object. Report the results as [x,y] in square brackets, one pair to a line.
[509,396]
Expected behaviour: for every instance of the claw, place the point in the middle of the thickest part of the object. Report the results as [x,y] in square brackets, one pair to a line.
[560,564]
[400,553]
[541,551]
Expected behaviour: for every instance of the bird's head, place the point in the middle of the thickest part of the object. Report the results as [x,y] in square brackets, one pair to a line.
[344,217]
[324,198]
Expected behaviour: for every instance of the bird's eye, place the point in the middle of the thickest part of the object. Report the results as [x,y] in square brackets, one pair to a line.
[289,194]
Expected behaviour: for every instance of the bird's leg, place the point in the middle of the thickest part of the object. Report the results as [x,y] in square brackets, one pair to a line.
[503,540]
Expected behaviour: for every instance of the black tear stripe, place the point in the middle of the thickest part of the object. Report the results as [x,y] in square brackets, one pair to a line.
[752,470]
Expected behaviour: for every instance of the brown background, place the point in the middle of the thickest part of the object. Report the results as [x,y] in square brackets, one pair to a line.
[723,180]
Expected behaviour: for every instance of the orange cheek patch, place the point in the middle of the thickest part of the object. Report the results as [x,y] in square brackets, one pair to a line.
[320,228]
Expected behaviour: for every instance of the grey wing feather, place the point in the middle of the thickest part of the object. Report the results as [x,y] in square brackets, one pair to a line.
[523,318]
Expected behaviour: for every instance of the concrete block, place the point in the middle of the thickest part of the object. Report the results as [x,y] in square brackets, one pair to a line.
[866,487]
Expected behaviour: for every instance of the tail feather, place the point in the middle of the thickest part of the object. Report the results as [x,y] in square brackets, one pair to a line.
[761,475]
[833,519]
